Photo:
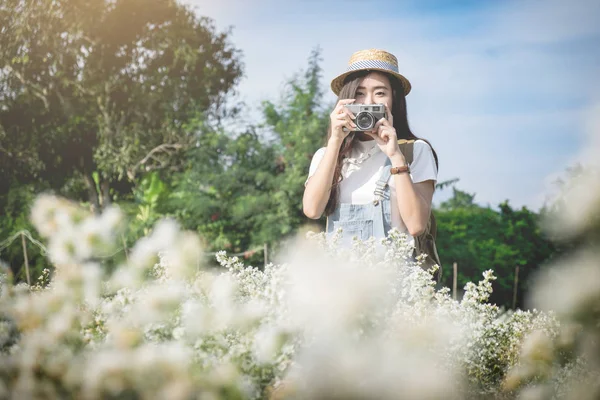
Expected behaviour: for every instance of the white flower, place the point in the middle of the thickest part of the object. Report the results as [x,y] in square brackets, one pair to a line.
[360,322]
[538,347]
[45,214]
[325,293]
[125,277]
[145,253]
[267,342]
[375,368]
[62,247]
[538,392]
[582,203]
[178,333]
[222,291]
[570,287]
[184,259]
[195,317]
[109,221]
[92,282]
[156,302]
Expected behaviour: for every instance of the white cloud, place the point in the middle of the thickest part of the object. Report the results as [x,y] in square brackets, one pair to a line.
[550,21]
[499,90]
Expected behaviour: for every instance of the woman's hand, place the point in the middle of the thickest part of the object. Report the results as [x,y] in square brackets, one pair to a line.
[341,120]
[385,135]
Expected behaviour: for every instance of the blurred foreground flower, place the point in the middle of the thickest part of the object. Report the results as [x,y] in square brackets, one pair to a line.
[324,322]
[567,365]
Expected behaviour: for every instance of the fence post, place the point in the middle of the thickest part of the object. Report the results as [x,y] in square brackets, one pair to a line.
[265,251]
[26,259]
[454,279]
[125,247]
[516,288]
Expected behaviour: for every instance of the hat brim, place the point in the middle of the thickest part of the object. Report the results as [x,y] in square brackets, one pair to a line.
[338,82]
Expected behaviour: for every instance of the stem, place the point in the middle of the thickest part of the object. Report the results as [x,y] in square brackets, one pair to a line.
[125,247]
[516,288]
[92,193]
[26,259]
[454,279]
[105,188]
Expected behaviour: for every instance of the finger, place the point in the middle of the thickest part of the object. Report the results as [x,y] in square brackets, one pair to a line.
[385,136]
[342,120]
[377,125]
[383,122]
[344,110]
[346,118]
[375,136]
[340,104]
[388,131]
[389,114]
[352,124]
[339,107]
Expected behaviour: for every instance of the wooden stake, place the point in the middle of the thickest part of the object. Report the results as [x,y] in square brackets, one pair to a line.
[26,259]
[125,247]
[516,288]
[265,251]
[454,279]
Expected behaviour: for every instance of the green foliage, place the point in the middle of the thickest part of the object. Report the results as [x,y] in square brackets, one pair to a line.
[146,208]
[105,86]
[241,191]
[480,238]
[16,205]
[96,94]
[300,125]
[225,192]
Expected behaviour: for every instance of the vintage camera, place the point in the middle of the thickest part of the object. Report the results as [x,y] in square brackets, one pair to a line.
[366,115]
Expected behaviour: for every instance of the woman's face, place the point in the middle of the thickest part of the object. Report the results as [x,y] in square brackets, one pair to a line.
[374,88]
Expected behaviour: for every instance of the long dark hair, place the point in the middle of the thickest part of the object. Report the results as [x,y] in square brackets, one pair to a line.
[403,131]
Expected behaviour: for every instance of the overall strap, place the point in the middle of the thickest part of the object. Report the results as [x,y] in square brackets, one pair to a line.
[382,184]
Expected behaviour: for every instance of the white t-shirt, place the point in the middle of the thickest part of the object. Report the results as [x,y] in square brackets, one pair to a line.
[358,185]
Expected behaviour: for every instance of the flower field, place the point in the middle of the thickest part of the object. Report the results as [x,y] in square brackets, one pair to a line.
[322,322]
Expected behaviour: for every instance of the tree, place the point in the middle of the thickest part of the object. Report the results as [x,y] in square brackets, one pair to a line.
[225,191]
[459,199]
[299,124]
[105,90]
[481,238]
[243,190]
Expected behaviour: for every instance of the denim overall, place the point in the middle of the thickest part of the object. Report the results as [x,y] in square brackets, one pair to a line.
[365,220]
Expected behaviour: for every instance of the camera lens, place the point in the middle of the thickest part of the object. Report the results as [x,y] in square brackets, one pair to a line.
[365,121]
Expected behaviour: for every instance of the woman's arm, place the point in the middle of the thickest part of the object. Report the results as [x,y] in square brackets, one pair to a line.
[318,186]
[414,199]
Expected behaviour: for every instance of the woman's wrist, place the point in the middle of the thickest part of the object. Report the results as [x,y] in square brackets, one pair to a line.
[335,141]
[398,160]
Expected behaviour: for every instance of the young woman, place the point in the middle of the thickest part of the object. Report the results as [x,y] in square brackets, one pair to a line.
[361,180]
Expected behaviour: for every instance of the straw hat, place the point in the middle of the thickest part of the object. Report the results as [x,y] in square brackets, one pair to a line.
[371,60]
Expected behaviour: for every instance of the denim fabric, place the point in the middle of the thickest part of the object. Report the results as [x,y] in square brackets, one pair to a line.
[365,220]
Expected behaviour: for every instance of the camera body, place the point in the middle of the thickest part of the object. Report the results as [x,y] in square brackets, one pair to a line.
[366,115]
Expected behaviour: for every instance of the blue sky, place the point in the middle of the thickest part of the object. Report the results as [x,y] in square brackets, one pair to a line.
[506,91]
